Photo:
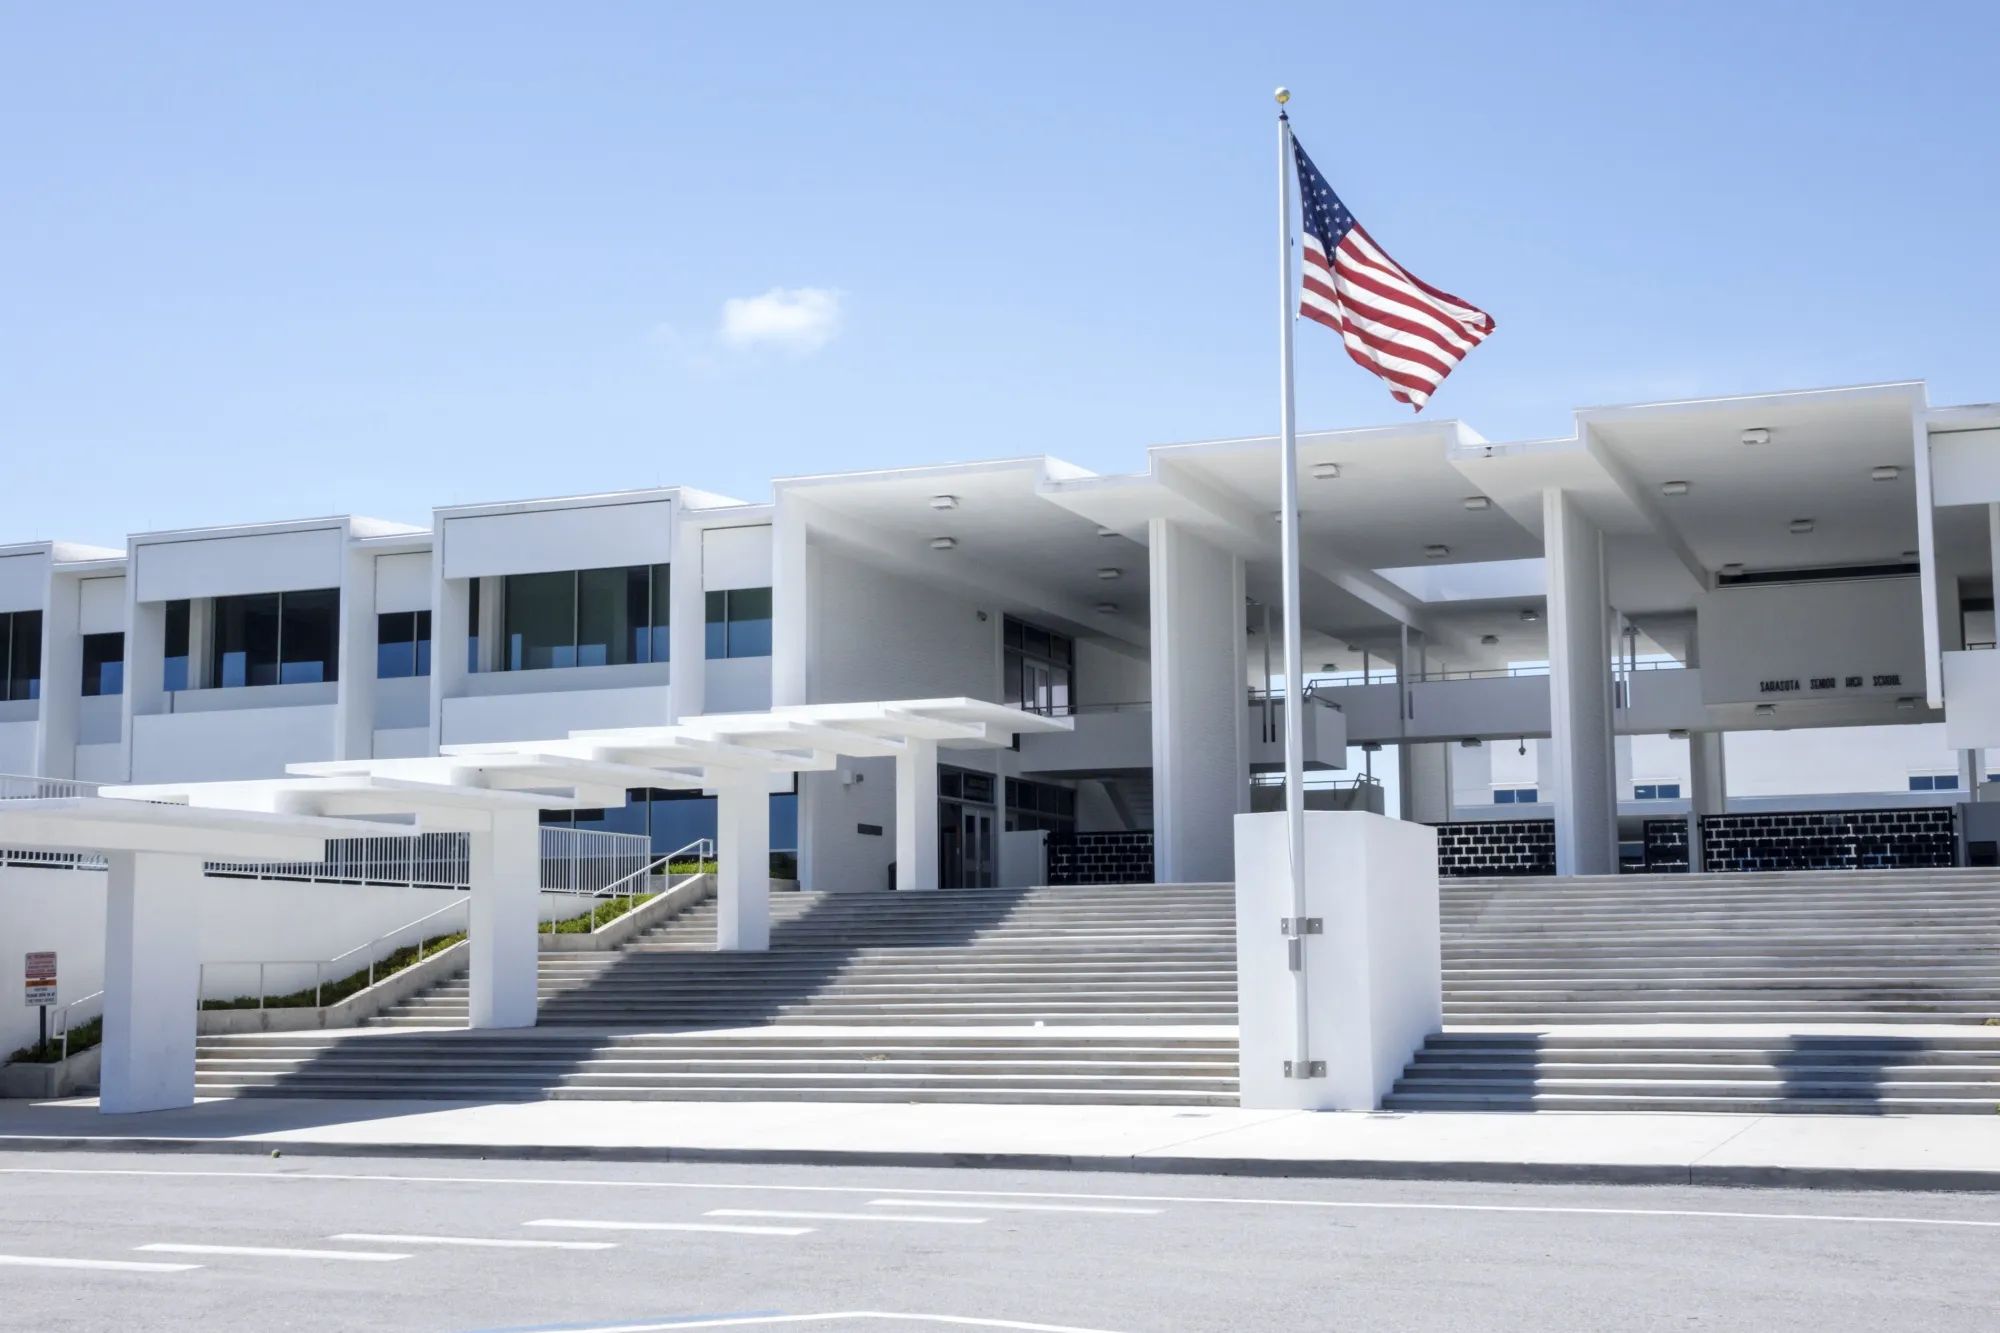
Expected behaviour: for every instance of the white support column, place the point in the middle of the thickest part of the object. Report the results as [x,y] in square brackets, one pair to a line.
[451,631]
[743,872]
[354,711]
[62,678]
[687,631]
[1708,787]
[917,816]
[1201,772]
[1579,690]
[790,604]
[506,888]
[152,981]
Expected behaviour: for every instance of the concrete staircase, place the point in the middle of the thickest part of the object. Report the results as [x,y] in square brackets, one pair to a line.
[1811,991]
[1816,947]
[1091,995]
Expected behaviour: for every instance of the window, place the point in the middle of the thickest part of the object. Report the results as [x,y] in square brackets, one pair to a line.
[402,644]
[674,819]
[174,676]
[739,623]
[1933,782]
[103,664]
[1038,668]
[276,638]
[1040,805]
[586,617]
[1515,795]
[20,655]
[472,630]
[1656,791]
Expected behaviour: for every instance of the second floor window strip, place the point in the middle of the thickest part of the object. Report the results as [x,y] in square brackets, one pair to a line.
[1038,668]
[20,655]
[587,617]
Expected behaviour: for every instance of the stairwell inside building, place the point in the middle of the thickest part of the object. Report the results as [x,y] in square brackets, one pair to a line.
[1812,991]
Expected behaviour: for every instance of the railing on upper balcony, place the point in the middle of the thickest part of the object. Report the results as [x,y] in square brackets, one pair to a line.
[1079,710]
[18,787]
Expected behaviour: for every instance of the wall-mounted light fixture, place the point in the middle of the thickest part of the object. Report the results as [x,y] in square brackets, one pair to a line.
[1475,503]
[943,543]
[1326,472]
[944,502]
[1673,488]
[1109,573]
[1799,527]
[1436,551]
[1489,640]
[1885,473]
[1757,435]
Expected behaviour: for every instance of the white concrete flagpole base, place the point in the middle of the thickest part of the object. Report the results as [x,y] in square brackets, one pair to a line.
[152,980]
[506,897]
[1374,975]
[743,865]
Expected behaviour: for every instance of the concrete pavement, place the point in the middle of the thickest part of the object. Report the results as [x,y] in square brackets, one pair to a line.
[1862,1152]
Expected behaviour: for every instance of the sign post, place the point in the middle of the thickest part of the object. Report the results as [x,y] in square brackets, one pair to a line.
[42,986]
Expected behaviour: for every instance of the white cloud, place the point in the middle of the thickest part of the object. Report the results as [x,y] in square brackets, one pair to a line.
[800,320]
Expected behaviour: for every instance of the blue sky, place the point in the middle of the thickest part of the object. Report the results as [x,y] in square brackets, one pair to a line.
[263,260]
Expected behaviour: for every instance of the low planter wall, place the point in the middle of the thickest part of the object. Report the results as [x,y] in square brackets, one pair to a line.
[350,1012]
[641,919]
[63,1078]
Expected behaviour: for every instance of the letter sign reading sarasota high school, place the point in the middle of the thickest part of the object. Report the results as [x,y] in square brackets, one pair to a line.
[41,978]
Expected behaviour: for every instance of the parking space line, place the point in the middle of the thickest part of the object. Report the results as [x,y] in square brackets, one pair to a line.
[843,1217]
[273,1252]
[584,1224]
[1015,1207]
[109,1265]
[494,1242]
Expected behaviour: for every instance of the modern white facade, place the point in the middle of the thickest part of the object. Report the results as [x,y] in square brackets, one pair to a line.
[1777,601]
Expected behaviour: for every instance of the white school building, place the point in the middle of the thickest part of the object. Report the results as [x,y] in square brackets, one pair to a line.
[1766,607]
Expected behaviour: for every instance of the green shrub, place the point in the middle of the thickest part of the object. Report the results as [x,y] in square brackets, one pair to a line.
[603,914]
[81,1038]
[335,990]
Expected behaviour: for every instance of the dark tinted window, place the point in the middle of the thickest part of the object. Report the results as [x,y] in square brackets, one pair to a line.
[103,664]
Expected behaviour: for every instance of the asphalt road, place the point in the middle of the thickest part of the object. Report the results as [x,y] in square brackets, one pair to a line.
[183,1242]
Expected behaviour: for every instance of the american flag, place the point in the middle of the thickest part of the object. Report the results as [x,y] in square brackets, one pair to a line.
[1395,324]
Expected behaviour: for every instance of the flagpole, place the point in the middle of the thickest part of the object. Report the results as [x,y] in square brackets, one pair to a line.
[1295,927]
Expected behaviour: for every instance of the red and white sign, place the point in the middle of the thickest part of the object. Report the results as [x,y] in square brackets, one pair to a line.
[41,978]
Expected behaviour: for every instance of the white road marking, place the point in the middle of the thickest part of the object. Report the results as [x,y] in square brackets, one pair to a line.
[111,1265]
[275,1252]
[350,1177]
[1015,1207]
[492,1241]
[582,1224]
[843,1217]
[740,1321]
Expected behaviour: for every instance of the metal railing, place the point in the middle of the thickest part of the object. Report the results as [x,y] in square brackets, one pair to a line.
[59,1028]
[586,861]
[419,860]
[701,851]
[320,966]
[21,787]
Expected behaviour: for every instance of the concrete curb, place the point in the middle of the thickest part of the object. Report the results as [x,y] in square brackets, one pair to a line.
[1938,1179]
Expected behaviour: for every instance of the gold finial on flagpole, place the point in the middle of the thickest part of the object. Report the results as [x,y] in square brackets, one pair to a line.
[1283,95]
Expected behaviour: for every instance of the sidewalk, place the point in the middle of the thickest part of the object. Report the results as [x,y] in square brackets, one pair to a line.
[1843,1152]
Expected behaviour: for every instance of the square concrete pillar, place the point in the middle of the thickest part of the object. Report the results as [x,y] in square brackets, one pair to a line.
[917,816]
[1585,794]
[1373,974]
[152,981]
[743,870]
[1201,768]
[506,897]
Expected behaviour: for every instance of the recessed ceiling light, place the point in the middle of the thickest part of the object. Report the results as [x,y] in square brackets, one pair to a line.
[1436,552]
[1530,614]
[1732,569]
[944,502]
[1674,488]
[1109,573]
[943,543]
[1107,532]
[1757,435]
[1471,743]
[1677,733]
[1329,666]
[1475,503]
[1326,472]
[1885,473]
[1767,710]
[1799,527]
[1490,640]
[1106,608]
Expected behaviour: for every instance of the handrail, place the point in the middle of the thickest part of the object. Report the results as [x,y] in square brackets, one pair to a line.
[27,787]
[62,1019]
[703,848]
[319,966]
